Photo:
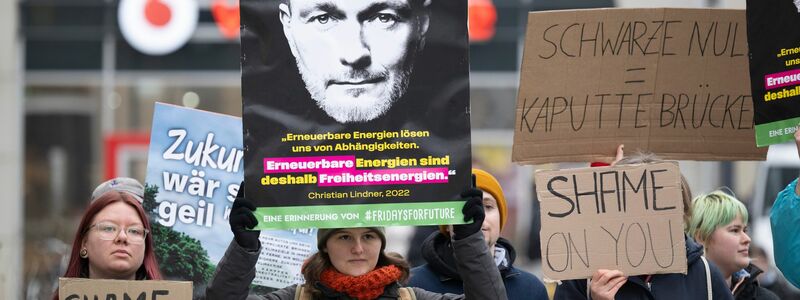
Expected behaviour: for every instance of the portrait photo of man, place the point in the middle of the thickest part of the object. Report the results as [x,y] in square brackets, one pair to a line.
[355,57]
[314,68]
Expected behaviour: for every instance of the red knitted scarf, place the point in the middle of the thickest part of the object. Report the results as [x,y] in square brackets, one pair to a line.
[365,287]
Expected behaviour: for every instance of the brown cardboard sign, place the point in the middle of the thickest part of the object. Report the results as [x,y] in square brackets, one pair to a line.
[670,81]
[628,218]
[81,288]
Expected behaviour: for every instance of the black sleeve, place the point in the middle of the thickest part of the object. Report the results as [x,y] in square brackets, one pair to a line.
[571,289]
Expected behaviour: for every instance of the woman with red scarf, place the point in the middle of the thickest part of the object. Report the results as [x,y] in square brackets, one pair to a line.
[351,263]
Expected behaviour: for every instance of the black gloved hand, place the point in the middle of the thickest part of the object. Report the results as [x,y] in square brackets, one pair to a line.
[242,219]
[473,210]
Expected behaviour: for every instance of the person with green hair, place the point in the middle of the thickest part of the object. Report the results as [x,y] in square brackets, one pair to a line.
[719,223]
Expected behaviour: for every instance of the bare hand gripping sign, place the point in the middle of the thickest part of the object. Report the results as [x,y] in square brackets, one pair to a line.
[628,218]
[671,81]
[355,113]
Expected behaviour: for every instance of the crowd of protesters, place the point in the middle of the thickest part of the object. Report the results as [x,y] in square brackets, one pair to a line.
[468,261]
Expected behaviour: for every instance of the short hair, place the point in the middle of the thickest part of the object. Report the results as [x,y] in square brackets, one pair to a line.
[714,210]
[415,3]
[686,191]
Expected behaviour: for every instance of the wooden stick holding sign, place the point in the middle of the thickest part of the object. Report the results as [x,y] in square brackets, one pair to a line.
[105,289]
[627,217]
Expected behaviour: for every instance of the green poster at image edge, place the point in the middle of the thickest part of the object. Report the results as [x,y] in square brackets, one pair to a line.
[776,132]
[360,215]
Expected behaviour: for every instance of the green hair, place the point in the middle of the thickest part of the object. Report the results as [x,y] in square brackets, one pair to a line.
[714,210]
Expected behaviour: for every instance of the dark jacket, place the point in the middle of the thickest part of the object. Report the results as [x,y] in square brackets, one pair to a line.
[691,286]
[778,285]
[236,271]
[747,287]
[440,274]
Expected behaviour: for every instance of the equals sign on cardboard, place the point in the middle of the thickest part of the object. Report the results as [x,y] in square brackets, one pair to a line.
[634,70]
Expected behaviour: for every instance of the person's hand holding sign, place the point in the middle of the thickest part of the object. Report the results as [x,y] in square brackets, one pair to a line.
[473,210]
[620,154]
[242,220]
[606,283]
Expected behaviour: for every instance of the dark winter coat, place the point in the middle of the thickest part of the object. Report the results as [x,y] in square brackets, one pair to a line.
[440,274]
[236,270]
[778,285]
[663,286]
[747,287]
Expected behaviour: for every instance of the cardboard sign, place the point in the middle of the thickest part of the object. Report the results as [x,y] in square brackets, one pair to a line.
[669,81]
[774,37]
[81,288]
[628,218]
[355,118]
[195,164]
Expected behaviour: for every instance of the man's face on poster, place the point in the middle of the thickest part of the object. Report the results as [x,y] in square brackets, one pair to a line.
[355,57]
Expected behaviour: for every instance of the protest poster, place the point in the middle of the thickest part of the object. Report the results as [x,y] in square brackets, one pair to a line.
[194,169]
[773,33]
[669,81]
[82,288]
[627,218]
[356,113]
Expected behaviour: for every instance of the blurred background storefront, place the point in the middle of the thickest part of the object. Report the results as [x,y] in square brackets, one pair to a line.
[78,103]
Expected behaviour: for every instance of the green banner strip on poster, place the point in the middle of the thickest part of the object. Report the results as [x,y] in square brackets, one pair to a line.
[360,215]
[776,132]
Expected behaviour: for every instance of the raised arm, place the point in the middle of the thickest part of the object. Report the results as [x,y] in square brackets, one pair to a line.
[475,264]
[480,275]
[785,219]
[797,142]
[237,268]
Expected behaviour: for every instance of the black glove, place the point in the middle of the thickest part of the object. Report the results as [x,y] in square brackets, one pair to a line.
[242,219]
[473,210]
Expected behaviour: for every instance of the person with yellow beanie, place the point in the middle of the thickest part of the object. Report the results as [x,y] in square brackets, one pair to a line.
[439,274]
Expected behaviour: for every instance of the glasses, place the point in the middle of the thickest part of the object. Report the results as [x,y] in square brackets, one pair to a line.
[110,231]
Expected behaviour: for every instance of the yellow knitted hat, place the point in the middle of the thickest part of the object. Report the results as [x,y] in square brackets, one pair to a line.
[488,184]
